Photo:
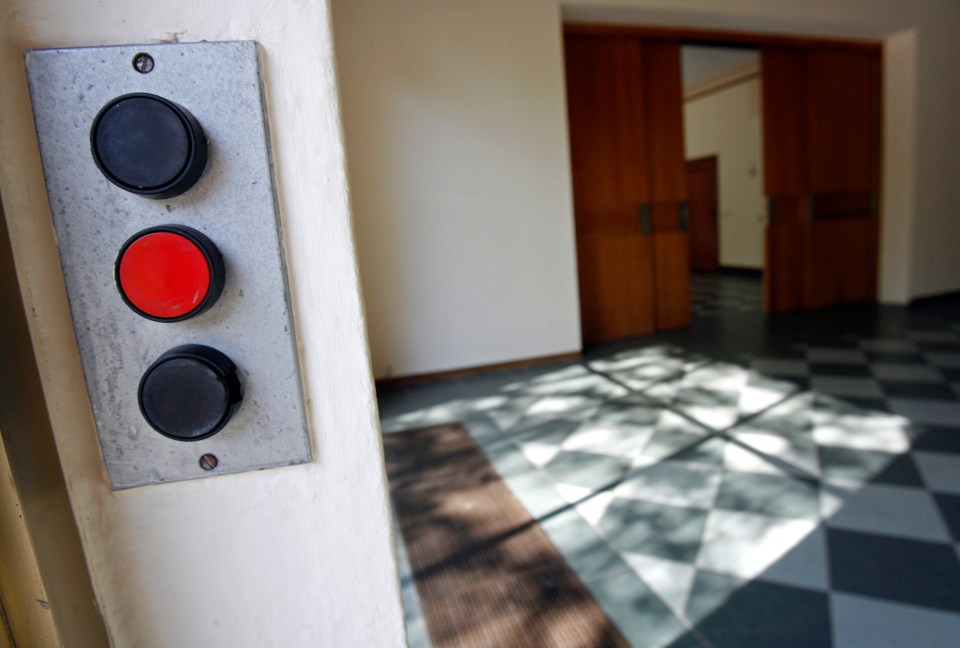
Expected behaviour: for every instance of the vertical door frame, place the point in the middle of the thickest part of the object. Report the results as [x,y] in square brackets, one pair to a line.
[693,36]
[713,162]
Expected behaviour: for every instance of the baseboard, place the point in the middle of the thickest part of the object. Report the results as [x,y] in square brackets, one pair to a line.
[741,271]
[733,271]
[400,381]
[940,298]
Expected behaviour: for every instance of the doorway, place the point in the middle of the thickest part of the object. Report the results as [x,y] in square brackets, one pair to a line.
[819,169]
[722,120]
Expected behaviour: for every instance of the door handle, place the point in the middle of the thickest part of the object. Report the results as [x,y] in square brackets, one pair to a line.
[646,223]
[771,210]
[683,216]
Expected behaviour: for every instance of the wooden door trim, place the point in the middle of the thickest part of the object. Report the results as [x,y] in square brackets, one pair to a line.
[711,164]
[693,36]
[704,159]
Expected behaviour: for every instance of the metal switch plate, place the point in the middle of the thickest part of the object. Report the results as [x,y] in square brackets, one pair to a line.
[233,204]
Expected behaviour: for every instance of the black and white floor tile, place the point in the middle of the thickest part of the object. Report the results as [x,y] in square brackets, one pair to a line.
[807,497]
[715,294]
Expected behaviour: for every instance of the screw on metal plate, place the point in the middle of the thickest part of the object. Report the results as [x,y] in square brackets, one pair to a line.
[143,63]
[209,461]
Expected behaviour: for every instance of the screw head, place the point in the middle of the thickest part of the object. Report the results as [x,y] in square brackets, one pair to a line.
[209,461]
[143,63]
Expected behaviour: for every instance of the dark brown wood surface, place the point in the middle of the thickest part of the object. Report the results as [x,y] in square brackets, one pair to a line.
[693,36]
[624,100]
[702,201]
[608,150]
[821,113]
[663,83]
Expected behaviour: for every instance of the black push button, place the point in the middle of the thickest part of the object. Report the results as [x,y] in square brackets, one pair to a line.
[148,145]
[190,392]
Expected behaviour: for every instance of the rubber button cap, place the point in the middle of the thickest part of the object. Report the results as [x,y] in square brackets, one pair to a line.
[190,392]
[169,273]
[148,145]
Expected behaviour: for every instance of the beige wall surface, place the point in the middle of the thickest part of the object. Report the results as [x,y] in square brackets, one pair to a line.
[296,556]
[22,595]
[45,588]
[455,124]
[936,235]
[282,557]
[459,163]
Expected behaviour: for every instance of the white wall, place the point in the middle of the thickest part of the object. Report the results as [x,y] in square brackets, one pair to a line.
[702,63]
[898,181]
[459,162]
[936,236]
[297,556]
[454,116]
[727,123]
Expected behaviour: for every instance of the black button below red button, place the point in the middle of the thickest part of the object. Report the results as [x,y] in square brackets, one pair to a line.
[190,392]
[169,273]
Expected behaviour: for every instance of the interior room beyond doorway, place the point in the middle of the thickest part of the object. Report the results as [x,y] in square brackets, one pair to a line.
[724,152]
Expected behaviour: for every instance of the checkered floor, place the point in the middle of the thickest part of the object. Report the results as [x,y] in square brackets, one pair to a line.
[713,294]
[810,497]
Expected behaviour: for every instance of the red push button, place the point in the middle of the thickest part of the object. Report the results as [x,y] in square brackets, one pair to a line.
[169,273]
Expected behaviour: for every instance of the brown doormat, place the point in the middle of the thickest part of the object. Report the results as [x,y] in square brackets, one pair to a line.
[487,575]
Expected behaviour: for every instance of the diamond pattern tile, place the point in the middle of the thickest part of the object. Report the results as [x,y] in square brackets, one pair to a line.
[747,544]
[808,498]
[719,394]
[736,614]
[678,483]
[941,472]
[862,621]
[587,470]
[889,510]
[916,572]
[769,495]
[658,530]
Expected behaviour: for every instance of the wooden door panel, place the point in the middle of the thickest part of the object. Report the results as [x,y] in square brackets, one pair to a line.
[626,141]
[821,166]
[843,112]
[785,178]
[784,89]
[607,127]
[663,85]
[844,258]
[786,254]
[672,268]
[616,286]
[671,254]
[702,201]
[783,286]
[843,138]
[607,122]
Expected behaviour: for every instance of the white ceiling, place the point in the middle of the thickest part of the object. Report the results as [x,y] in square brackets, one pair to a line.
[701,63]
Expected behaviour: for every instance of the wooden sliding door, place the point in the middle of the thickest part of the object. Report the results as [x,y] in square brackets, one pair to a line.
[702,227]
[629,184]
[663,87]
[821,163]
